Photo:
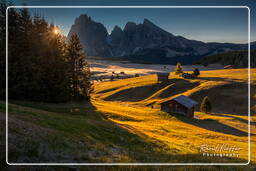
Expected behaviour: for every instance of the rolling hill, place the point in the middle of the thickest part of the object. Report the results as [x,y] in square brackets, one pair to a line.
[123,122]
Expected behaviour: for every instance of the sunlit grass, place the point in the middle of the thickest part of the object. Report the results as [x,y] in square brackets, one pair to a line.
[113,129]
[179,136]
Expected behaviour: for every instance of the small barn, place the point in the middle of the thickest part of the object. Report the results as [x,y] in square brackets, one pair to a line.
[180,105]
[162,76]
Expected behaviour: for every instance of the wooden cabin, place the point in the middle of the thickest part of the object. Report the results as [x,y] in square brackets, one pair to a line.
[136,75]
[162,76]
[179,105]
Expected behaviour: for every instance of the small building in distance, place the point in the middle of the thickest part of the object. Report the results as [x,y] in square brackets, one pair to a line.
[187,75]
[136,75]
[229,67]
[162,76]
[179,105]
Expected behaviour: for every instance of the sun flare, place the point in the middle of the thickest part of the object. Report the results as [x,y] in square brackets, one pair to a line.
[56,31]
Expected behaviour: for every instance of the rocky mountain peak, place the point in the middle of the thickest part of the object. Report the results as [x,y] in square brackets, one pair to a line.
[116,36]
[116,29]
[93,36]
[83,19]
[145,41]
[130,26]
[147,22]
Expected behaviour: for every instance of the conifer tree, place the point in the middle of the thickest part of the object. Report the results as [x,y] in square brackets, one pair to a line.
[78,69]
[178,69]
[196,72]
[206,106]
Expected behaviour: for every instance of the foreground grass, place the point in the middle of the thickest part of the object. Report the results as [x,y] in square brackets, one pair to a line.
[72,135]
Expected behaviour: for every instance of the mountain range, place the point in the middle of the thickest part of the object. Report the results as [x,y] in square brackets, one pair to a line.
[144,42]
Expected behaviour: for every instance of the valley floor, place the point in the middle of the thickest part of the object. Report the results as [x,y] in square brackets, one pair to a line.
[101,67]
[123,122]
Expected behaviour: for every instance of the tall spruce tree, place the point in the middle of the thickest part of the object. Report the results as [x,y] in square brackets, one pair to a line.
[79,72]
[3,6]
[54,74]
[41,65]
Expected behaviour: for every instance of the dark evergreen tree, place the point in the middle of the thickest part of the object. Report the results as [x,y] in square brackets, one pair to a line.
[78,69]
[196,72]
[206,106]
[3,6]
[54,74]
[41,65]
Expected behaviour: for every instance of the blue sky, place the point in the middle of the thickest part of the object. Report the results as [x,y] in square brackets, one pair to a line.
[208,25]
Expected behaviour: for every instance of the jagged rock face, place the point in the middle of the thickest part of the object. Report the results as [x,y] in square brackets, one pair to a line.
[92,35]
[144,41]
[137,38]
[115,38]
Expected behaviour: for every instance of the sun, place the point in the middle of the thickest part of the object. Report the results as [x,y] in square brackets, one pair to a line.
[56,30]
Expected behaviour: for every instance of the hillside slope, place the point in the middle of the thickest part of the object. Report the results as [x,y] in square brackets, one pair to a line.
[139,98]
[123,123]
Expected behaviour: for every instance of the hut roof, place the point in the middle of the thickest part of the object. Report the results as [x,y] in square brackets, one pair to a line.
[228,66]
[163,73]
[184,100]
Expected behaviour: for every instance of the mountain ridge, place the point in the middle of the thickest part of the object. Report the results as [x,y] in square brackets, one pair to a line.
[144,42]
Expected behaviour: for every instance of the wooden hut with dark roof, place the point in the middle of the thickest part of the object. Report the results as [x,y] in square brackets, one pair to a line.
[162,76]
[179,105]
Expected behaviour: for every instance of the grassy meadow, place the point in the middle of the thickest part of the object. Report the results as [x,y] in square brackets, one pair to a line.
[123,122]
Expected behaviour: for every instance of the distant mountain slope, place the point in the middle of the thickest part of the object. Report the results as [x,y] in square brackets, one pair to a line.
[236,58]
[136,38]
[145,42]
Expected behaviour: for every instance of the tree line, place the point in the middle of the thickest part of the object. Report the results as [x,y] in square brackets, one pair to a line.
[236,58]
[42,64]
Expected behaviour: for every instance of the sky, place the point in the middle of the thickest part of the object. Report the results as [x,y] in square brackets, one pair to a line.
[204,24]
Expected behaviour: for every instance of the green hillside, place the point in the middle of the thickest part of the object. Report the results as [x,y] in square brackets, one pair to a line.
[123,122]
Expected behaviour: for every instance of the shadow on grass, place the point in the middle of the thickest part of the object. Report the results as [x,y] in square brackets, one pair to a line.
[227,98]
[217,79]
[84,138]
[237,118]
[211,125]
[143,92]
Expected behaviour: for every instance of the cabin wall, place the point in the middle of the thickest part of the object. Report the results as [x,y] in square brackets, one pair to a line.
[162,78]
[175,107]
[191,112]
